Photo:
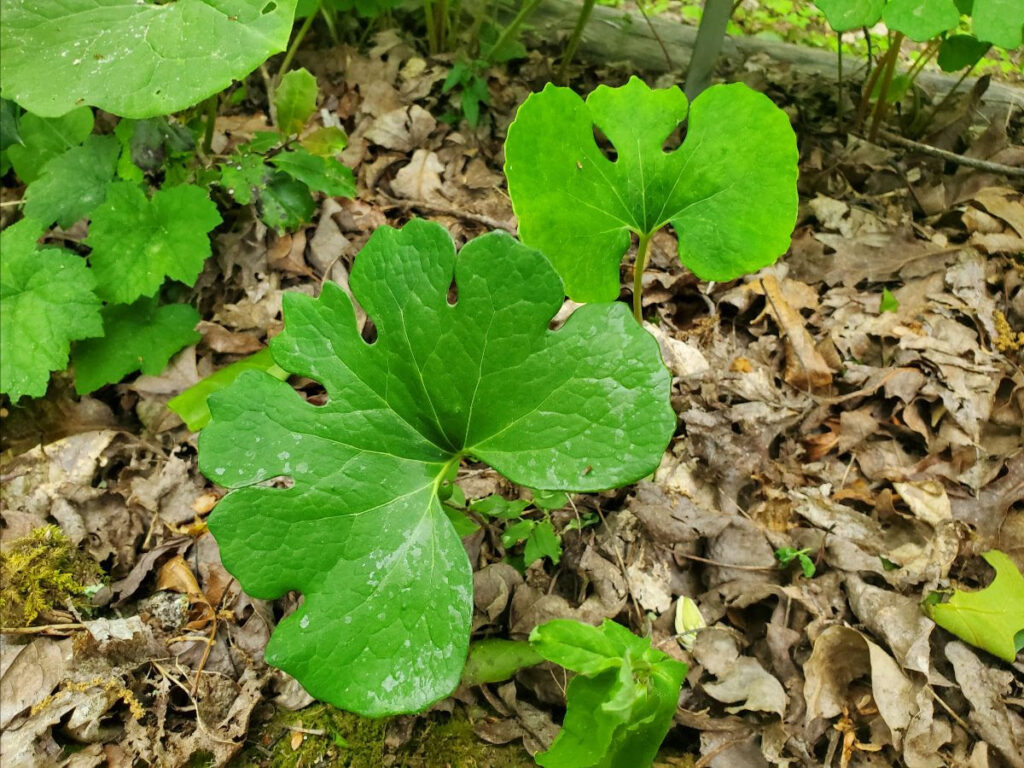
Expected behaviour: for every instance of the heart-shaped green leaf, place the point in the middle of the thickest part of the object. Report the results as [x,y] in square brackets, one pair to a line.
[729,191]
[991,618]
[135,58]
[843,15]
[1000,22]
[385,623]
[46,302]
[921,19]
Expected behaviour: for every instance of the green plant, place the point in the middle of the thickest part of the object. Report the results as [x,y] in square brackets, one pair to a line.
[991,618]
[729,190]
[786,556]
[621,702]
[144,190]
[60,54]
[361,530]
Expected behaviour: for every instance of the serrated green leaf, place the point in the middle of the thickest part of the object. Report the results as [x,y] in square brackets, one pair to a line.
[843,15]
[154,140]
[362,534]
[134,59]
[517,532]
[321,174]
[958,52]
[137,242]
[1000,22]
[729,191]
[73,184]
[140,336]
[242,176]
[325,142]
[46,302]
[193,404]
[285,203]
[43,139]
[921,20]
[295,101]
[990,618]
[499,507]
[496,659]
[543,542]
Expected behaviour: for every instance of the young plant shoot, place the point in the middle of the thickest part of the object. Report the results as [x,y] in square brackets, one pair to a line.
[361,532]
[729,190]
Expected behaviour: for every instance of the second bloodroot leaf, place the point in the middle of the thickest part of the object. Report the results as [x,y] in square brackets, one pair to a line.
[729,191]
[361,532]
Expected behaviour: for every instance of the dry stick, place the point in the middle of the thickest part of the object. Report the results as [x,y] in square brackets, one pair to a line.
[953,157]
[661,43]
[42,629]
[479,218]
[700,559]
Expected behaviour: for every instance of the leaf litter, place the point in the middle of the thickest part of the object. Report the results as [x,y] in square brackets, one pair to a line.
[887,444]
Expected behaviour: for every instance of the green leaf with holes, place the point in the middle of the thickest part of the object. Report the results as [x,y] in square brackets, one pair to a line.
[620,704]
[140,336]
[73,184]
[991,618]
[137,241]
[360,530]
[729,191]
[46,302]
[132,57]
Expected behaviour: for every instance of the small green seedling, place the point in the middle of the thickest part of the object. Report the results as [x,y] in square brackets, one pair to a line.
[621,702]
[278,172]
[56,55]
[728,191]
[888,302]
[361,531]
[786,555]
[991,618]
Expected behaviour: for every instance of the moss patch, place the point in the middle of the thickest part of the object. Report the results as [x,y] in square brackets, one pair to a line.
[43,571]
[330,737]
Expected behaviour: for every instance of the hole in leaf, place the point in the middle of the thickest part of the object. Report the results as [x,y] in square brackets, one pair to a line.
[674,139]
[453,293]
[605,145]
[369,331]
[268,8]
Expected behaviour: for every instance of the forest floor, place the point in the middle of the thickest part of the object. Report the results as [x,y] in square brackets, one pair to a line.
[861,400]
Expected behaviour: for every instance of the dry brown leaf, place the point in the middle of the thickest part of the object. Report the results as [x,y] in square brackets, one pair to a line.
[420,179]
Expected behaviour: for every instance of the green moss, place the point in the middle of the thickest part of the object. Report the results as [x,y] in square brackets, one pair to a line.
[339,739]
[43,571]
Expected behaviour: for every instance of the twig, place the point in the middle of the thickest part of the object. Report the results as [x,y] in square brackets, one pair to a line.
[953,157]
[730,565]
[661,43]
[479,218]
[43,629]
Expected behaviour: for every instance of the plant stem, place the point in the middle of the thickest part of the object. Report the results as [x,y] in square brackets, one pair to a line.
[839,80]
[332,24]
[513,26]
[212,105]
[654,33]
[294,47]
[891,56]
[428,18]
[638,277]
[924,58]
[574,40]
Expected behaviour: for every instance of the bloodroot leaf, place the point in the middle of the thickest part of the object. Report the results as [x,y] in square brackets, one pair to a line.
[361,532]
[137,242]
[46,302]
[729,191]
[132,58]
[991,618]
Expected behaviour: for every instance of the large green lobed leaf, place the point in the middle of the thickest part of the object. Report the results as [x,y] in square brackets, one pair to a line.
[46,302]
[361,533]
[729,191]
[135,58]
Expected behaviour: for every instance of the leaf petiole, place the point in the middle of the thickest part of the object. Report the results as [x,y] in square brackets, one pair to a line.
[638,277]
